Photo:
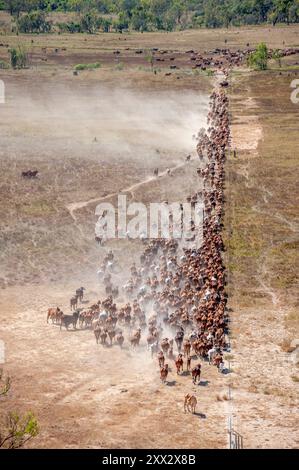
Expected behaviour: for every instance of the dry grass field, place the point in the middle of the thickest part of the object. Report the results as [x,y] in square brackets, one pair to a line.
[88,396]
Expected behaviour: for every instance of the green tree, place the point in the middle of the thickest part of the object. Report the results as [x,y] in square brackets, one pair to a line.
[90,22]
[259,59]
[14,7]
[281,11]
[15,430]
[34,22]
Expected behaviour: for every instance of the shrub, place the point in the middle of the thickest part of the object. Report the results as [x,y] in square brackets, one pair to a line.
[119,66]
[71,27]
[15,430]
[90,22]
[18,57]
[3,65]
[96,65]
[34,22]
[277,55]
[259,59]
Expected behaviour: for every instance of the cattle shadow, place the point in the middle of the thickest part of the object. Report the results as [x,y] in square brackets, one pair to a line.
[171,383]
[84,301]
[185,373]
[72,330]
[200,415]
[204,383]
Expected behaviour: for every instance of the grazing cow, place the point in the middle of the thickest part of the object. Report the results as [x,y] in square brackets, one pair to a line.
[190,403]
[187,348]
[179,363]
[30,174]
[120,339]
[165,345]
[135,339]
[196,373]
[161,359]
[164,373]
[218,361]
[97,333]
[98,240]
[80,293]
[103,337]
[54,314]
[74,302]
[115,292]
[179,337]
[67,320]
[111,334]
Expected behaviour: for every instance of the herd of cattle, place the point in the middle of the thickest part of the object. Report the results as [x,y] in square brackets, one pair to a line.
[176,296]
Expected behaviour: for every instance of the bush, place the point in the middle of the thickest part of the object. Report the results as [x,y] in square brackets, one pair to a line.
[18,57]
[3,65]
[259,59]
[71,27]
[119,66]
[34,22]
[90,22]
[96,65]
[16,429]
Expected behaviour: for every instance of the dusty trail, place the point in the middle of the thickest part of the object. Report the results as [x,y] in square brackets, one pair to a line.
[74,206]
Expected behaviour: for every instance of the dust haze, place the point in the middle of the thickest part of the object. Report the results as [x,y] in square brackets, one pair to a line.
[101,123]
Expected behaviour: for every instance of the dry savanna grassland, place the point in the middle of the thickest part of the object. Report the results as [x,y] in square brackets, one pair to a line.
[101,132]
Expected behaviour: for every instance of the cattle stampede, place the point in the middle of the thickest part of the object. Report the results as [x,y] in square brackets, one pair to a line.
[176,302]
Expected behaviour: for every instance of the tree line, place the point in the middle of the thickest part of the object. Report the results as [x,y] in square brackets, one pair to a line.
[150,15]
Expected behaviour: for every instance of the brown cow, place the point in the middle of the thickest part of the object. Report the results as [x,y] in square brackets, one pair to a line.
[164,373]
[74,302]
[179,363]
[135,339]
[196,373]
[165,345]
[120,339]
[54,314]
[190,403]
[97,333]
[161,359]
[111,334]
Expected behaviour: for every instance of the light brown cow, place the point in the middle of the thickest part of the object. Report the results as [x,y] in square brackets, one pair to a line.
[54,314]
[190,403]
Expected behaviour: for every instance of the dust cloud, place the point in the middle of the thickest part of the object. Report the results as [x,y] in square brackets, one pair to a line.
[101,123]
